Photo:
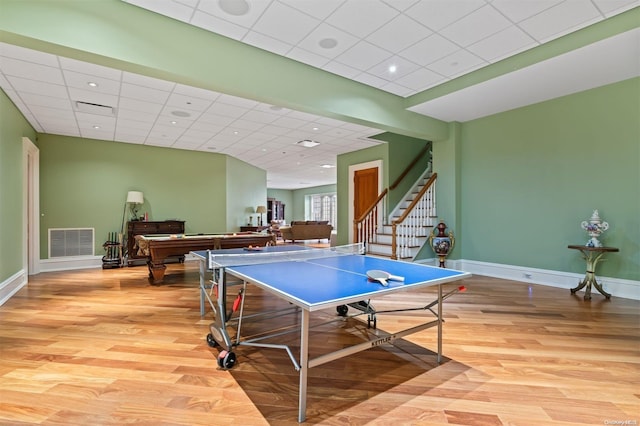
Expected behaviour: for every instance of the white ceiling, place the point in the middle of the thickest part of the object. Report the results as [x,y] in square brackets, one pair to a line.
[429,41]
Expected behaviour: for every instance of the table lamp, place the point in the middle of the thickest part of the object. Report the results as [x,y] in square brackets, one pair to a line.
[134,198]
[261,210]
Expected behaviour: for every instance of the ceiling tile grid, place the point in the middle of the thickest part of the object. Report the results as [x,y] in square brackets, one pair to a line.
[432,41]
[143,110]
[427,41]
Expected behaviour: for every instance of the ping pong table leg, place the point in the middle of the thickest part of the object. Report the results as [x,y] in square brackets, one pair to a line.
[203,277]
[439,323]
[304,366]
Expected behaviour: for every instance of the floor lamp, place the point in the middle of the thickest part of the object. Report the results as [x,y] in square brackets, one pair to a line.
[133,199]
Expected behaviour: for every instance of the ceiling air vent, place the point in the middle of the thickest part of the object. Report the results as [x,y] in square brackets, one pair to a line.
[308,143]
[96,109]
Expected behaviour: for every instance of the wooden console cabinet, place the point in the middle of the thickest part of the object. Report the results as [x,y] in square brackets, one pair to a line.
[148,228]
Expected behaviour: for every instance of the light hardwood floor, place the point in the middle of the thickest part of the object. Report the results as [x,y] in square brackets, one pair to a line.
[103,347]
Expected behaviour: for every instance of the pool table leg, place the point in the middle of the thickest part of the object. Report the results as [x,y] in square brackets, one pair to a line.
[156,270]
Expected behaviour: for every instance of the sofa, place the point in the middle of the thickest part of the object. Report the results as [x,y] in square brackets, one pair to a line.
[306,230]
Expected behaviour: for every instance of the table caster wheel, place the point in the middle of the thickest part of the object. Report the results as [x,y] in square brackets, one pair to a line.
[211,341]
[226,360]
[342,310]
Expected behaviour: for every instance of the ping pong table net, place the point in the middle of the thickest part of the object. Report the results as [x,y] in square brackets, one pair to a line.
[220,260]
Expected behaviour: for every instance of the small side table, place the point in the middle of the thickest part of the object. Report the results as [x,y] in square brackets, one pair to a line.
[592,255]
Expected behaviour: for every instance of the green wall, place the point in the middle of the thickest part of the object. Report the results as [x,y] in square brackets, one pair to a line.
[13,127]
[246,190]
[514,187]
[403,150]
[84,183]
[530,177]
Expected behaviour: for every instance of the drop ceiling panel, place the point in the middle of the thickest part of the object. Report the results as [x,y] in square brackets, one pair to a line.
[502,44]
[298,27]
[312,42]
[25,85]
[438,14]
[363,56]
[362,18]
[478,25]
[431,42]
[143,107]
[31,71]
[429,50]
[80,80]
[561,19]
[399,34]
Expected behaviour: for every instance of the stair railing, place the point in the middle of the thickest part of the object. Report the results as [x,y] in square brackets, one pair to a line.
[366,227]
[419,214]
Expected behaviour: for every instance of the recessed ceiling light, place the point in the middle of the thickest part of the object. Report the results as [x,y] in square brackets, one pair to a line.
[328,43]
[96,127]
[393,69]
[327,166]
[316,129]
[234,7]
[308,143]
[92,84]
[174,122]
[180,113]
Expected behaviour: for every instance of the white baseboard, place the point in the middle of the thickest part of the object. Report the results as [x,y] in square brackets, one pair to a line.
[618,287]
[70,263]
[11,286]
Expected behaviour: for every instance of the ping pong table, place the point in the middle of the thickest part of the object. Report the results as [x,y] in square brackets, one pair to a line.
[312,280]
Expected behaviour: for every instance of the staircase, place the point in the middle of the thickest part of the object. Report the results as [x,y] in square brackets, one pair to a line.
[412,222]
[407,228]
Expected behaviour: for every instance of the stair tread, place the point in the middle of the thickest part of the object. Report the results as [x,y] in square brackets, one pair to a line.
[373,253]
[389,245]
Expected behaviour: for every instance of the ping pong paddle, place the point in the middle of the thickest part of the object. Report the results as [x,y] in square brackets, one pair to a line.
[382,277]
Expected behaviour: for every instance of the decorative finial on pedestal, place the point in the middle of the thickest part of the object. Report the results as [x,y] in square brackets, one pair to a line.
[594,227]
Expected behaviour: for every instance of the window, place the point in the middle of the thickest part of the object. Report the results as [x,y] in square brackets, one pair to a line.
[322,207]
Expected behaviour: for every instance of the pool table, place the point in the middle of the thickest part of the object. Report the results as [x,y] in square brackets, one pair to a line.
[159,247]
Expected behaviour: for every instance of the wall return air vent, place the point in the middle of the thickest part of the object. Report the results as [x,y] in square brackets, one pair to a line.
[71,242]
[95,109]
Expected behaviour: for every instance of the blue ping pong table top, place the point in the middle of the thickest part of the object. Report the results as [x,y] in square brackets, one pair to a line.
[331,281]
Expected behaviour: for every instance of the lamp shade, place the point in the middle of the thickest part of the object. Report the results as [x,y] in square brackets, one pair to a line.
[135,197]
[261,209]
